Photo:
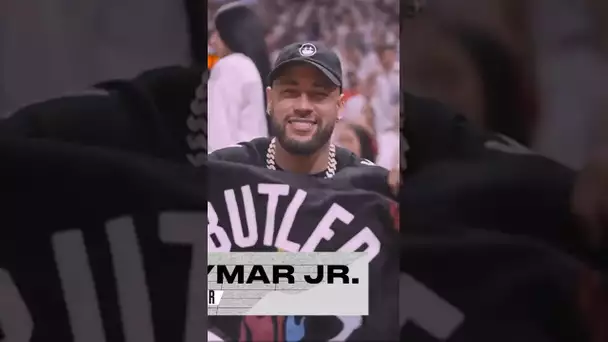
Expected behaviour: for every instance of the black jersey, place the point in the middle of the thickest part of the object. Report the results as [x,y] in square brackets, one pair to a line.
[371,230]
[254,153]
[350,171]
[94,246]
[97,245]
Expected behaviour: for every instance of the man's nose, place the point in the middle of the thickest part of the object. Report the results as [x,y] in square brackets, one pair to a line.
[303,104]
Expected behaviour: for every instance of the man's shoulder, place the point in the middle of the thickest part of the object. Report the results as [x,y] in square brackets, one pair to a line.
[249,152]
[361,173]
[346,158]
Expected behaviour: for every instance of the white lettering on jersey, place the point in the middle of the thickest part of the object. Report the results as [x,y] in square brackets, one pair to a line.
[507,145]
[79,290]
[238,232]
[419,304]
[365,238]
[367,162]
[274,191]
[185,229]
[218,240]
[77,282]
[349,325]
[15,319]
[215,231]
[78,286]
[323,230]
[211,337]
[282,241]
[133,295]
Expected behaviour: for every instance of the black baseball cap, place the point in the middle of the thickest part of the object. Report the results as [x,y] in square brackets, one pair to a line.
[313,53]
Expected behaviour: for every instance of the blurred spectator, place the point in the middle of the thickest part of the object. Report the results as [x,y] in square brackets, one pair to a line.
[237,102]
[351,56]
[387,69]
[362,103]
[508,102]
[355,138]
[352,79]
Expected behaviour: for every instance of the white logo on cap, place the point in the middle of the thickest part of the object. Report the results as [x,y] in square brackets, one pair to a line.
[307,50]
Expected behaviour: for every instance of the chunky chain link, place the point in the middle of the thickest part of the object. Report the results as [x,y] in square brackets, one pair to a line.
[332,164]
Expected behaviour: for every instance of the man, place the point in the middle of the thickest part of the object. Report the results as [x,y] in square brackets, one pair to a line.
[304,98]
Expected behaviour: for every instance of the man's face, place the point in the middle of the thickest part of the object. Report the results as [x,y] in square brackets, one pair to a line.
[303,106]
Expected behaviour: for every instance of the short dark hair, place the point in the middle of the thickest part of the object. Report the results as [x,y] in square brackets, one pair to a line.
[243,31]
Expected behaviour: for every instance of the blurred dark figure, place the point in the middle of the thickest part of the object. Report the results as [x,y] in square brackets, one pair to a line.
[508,108]
[474,73]
[413,7]
[590,199]
[239,30]
[352,90]
[236,92]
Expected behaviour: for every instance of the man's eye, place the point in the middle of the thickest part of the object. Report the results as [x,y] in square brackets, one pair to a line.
[290,92]
[319,95]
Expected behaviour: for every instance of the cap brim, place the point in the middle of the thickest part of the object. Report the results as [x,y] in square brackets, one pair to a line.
[277,70]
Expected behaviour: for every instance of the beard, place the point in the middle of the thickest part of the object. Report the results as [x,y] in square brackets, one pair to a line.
[303,148]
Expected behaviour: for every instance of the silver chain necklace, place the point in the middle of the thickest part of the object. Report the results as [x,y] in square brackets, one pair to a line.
[331,162]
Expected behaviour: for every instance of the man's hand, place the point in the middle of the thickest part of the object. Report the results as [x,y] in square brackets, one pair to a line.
[590,198]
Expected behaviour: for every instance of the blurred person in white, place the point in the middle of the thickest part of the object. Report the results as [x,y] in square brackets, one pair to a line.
[382,63]
[388,74]
[356,138]
[350,54]
[372,112]
[236,85]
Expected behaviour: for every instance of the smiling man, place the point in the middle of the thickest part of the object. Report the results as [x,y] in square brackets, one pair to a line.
[303,103]
[304,98]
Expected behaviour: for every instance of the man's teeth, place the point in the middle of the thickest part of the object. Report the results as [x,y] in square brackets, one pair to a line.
[302,121]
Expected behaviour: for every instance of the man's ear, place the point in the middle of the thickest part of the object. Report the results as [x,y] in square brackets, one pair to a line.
[340,106]
[268,100]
